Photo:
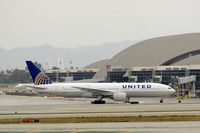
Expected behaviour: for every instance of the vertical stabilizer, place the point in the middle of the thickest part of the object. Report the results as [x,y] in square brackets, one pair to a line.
[37,75]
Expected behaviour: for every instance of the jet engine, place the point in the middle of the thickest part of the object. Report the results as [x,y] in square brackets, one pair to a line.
[119,96]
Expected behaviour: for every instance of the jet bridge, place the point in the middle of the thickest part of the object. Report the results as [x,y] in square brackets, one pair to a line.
[185,86]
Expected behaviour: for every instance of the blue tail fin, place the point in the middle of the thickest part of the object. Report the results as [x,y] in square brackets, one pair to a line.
[37,75]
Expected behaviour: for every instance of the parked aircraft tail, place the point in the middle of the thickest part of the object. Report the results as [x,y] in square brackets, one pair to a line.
[37,75]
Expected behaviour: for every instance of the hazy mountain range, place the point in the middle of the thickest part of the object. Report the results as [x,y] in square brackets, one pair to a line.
[50,56]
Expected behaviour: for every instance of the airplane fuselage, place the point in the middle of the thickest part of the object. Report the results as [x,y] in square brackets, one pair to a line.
[131,89]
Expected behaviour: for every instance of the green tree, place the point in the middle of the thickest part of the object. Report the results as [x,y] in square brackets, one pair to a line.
[19,76]
[16,75]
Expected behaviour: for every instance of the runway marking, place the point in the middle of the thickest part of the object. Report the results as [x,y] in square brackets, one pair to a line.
[108,112]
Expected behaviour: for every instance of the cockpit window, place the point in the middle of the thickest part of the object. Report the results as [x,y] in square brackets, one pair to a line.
[169,88]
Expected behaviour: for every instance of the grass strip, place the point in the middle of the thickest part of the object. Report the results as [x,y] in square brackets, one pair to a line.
[94,119]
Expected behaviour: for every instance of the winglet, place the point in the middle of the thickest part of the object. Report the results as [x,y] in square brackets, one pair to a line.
[37,75]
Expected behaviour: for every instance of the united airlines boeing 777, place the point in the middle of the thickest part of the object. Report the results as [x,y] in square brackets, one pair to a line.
[115,91]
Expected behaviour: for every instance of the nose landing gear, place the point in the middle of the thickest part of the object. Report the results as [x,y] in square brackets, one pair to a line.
[161,100]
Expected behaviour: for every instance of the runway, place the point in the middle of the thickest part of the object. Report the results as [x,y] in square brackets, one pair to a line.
[26,107]
[22,106]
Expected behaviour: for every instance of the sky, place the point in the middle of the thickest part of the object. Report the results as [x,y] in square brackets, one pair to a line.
[74,23]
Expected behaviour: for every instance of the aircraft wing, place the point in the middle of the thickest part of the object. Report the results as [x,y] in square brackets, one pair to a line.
[95,91]
[36,87]
[30,86]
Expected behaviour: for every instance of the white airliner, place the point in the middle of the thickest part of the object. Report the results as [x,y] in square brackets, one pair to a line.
[115,91]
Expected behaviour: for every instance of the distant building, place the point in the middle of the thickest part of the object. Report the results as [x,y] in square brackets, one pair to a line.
[174,56]
[67,75]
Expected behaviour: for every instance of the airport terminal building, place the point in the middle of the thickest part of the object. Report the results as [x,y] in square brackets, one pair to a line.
[169,60]
[69,75]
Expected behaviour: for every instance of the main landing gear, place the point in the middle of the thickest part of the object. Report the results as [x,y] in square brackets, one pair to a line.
[128,100]
[99,100]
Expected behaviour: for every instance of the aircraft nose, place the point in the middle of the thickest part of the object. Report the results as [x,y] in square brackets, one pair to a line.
[172,90]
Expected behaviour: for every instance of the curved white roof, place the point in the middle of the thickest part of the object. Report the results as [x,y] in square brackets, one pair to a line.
[169,50]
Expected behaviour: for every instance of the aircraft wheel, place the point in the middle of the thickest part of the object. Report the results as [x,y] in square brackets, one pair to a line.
[161,100]
[98,102]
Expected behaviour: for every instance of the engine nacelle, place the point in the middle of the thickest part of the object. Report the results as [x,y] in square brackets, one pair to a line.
[119,96]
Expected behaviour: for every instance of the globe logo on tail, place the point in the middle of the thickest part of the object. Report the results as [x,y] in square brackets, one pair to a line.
[41,78]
